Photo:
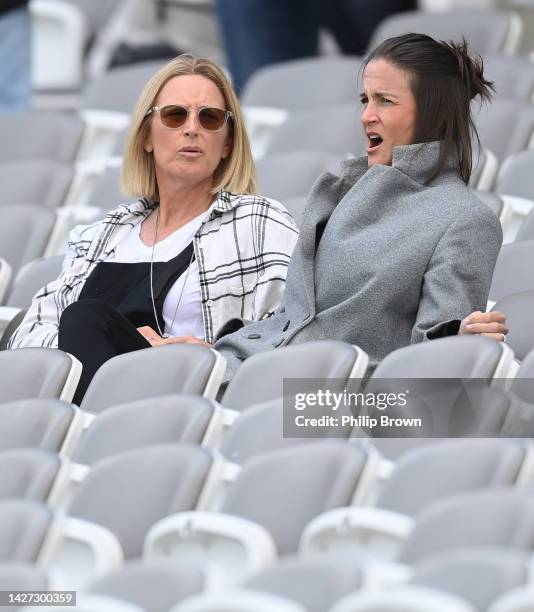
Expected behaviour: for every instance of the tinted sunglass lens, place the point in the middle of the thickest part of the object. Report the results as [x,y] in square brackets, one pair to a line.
[211,119]
[173,116]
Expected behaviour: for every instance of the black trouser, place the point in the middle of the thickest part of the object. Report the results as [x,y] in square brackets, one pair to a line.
[93,331]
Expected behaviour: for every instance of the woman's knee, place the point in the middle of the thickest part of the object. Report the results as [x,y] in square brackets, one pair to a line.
[85,312]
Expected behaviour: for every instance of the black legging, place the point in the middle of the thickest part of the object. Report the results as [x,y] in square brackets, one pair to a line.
[93,331]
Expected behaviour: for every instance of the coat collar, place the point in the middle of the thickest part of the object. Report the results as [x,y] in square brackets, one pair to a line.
[416,161]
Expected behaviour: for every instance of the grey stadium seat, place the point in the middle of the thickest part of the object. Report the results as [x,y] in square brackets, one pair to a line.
[41,182]
[451,357]
[523,383]
[28,473]
[35,423]
[237,600]
[526,229]
[407,598]
[342,134]
[37,373]
[31,277]
[128,493]
[117,90]
[517,600]
[260,378]
[157,420]
[519,311]
[24,233]
[504,126]
[296,207]
[513,76]
[155,586]
[5,277]
[305,83]
[515,176]
[420,478]
[18,576]
[39,135]
[493,200]
[23,528]
[291,174]
[486,31]
[314,583]
[450,467]
[88,602]
[276,494]
[477,576]
[162,370]
[494,517]
[513,270]
[259,429]
[305,480]
[107,193]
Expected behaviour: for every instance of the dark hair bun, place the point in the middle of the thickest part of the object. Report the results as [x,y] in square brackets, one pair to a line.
[471,70]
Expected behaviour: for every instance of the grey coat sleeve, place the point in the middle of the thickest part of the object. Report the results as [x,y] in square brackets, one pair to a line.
[459,273]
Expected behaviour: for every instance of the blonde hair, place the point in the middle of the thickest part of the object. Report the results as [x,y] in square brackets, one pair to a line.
[236,173]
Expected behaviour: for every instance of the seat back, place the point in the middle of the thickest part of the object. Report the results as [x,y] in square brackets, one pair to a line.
[519,311]
[157,420]
[39,135]
[30,278]
[490,572]
[523,383]
[526,229]
[283,490]
[493,200]
[515,176]
[35,423]
[316,584]
[450,467]
[455,357]
[151,586]
[261,376]
[485,31]
[291,174]
[25,233]
[117,90]
[28,473]
[505,126]
[494,517]
[513,270]
[341,135]
[512,76]
[162,370]
[23,527]
[128,493]
[37,373]
[42,182]
[304,83]
[107,193]
[5,277]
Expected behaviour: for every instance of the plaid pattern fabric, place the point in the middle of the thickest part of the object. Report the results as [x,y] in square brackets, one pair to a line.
[242,249]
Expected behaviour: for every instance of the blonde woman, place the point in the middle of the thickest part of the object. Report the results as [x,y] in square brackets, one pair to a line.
[198,248]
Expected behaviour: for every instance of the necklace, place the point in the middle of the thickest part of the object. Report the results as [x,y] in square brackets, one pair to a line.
[152,284]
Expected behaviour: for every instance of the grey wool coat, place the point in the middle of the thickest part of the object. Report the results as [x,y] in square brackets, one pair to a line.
[382,261]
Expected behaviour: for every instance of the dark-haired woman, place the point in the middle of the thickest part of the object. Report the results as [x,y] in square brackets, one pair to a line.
[396,250]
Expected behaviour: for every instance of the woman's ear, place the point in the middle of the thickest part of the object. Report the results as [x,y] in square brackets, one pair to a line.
[227,148]
[148,147]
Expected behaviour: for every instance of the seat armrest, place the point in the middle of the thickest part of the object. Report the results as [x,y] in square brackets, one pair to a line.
[369,531]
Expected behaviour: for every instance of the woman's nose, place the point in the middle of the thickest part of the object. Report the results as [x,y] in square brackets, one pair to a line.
[369,114]
[191,123]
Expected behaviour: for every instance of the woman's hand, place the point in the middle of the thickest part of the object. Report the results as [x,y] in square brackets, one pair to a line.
[156,340]
[490,324]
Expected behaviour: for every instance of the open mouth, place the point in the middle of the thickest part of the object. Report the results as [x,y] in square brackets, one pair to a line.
[374,141]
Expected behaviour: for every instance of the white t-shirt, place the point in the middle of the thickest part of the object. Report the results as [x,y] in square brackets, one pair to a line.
[132,249]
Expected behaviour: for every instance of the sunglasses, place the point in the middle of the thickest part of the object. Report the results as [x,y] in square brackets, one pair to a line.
[173,116]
